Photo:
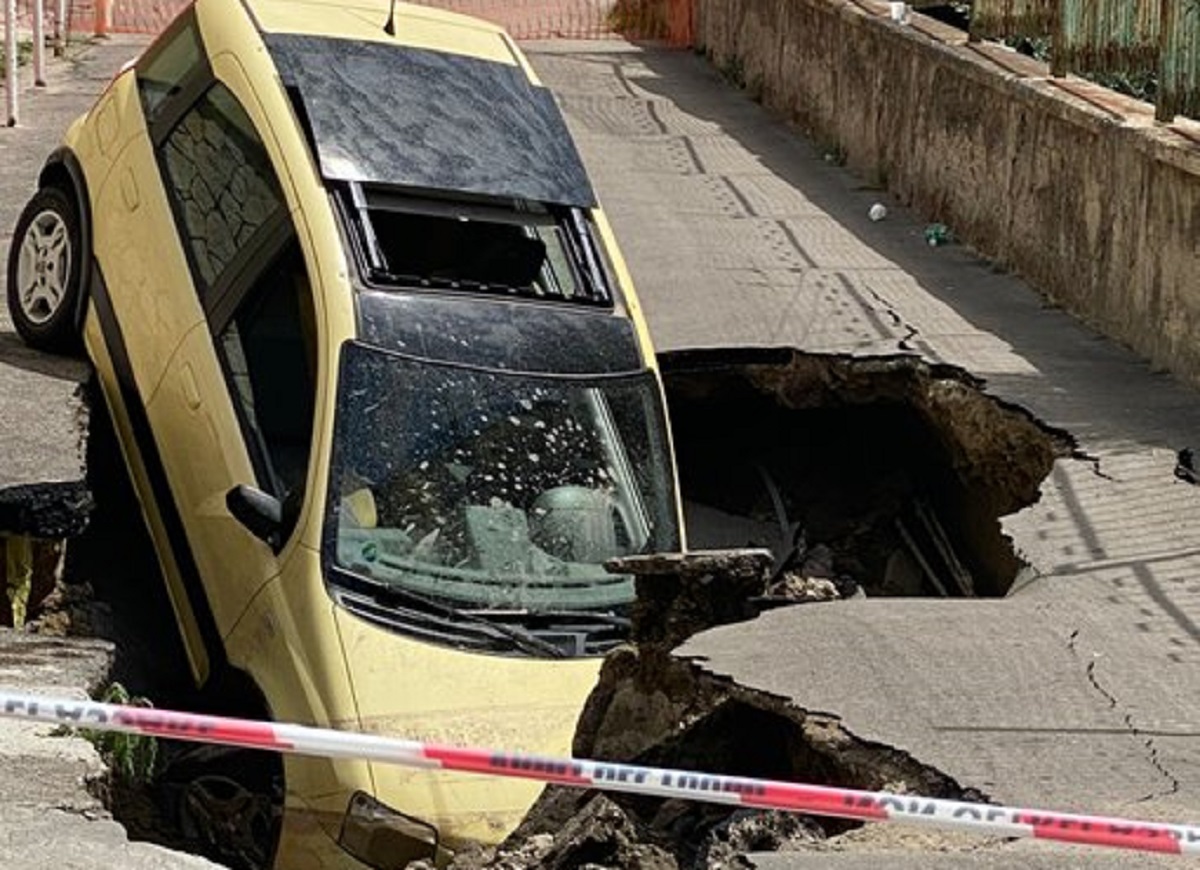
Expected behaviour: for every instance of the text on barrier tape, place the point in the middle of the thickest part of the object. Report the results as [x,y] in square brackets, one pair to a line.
[608,776]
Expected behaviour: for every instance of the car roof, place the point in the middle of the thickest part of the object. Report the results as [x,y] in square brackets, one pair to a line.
[363,20]
[434,108]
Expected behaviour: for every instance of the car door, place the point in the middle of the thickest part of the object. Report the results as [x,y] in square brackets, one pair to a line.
[217,320]
[237,395]
[143,303]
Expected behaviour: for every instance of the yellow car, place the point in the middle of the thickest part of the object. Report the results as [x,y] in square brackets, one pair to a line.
[382,384]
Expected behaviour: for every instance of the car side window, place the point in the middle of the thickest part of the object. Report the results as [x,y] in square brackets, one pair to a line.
[166,70]
[225,193]
[268,351]
[250,275]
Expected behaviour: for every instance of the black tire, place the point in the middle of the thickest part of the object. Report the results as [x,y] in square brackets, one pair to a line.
[47,257]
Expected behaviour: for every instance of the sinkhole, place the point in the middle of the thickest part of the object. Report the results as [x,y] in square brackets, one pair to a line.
[886,475]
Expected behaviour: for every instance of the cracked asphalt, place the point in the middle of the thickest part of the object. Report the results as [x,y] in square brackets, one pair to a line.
[1076,692]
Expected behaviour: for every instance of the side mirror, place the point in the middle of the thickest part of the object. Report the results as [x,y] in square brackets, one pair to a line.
[260,512]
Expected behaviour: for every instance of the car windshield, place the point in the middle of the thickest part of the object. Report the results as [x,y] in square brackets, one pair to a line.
[494,494]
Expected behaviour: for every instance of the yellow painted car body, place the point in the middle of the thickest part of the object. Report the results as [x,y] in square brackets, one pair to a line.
[266,607]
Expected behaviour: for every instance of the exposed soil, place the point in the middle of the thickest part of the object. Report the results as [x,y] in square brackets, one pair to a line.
[654,709]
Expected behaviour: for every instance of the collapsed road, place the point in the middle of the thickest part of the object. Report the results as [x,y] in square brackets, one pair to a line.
[1075,689]
[984,487]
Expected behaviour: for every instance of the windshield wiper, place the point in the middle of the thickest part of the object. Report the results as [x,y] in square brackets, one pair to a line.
[594,631]
[561,616]
[519,638]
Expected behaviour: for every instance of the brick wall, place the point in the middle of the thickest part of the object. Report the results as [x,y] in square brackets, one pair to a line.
[524,19]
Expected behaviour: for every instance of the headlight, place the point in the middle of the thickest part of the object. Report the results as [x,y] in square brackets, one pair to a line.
[382,838]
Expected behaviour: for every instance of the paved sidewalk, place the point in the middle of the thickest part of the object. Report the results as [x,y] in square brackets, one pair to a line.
[1079,692]
[48,818]
[43,415]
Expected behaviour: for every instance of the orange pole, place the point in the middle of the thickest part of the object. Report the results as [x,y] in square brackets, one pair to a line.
[103,15]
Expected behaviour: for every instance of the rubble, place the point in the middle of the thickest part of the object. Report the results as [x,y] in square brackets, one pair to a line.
[679,594]
[652,708]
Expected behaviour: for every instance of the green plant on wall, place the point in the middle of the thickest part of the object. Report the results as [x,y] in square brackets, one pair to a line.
[734,71]
[132,757]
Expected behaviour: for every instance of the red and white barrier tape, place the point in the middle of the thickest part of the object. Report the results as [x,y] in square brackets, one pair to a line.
[583,773]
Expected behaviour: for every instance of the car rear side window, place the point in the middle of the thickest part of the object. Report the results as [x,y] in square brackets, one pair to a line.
[167,69]
[224,190]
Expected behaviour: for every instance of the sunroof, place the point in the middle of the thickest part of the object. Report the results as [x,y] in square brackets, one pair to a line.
[517,249]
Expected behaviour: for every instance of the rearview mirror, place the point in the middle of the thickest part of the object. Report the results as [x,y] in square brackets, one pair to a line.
[260,512]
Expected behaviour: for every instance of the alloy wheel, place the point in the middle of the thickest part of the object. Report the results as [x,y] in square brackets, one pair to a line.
[44,267]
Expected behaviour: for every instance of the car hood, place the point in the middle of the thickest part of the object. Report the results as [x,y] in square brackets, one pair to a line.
[430,693]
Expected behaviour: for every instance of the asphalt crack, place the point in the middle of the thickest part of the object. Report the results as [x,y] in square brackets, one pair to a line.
[910,331]
[1093,461]
[618,70]
[1152,753]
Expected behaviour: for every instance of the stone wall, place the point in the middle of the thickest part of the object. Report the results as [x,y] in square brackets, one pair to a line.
[1067,184]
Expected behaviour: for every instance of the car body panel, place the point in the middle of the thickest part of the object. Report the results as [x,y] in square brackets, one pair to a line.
[192,409]
[154,310]
[326,667]
[633,305]
[287,641]
[519,703]
[104,132]
[106,352]
[266,611]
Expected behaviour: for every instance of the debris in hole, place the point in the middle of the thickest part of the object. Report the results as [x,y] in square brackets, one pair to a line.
[895,471]
[680,594]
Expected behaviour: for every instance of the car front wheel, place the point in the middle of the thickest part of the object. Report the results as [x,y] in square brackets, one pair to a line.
[44,272]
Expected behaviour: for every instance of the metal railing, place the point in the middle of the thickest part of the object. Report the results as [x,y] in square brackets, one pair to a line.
[1158,40]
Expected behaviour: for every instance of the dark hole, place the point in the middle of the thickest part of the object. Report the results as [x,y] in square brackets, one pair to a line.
[864,477]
